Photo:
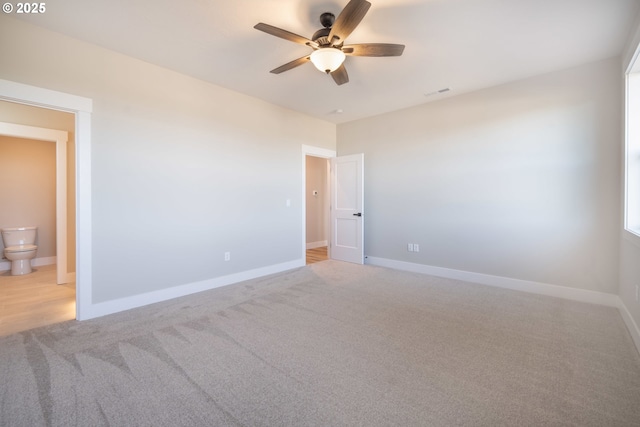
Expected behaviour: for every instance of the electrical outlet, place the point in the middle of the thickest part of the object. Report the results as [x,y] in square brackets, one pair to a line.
[416,247]
[410,247]
[227,256]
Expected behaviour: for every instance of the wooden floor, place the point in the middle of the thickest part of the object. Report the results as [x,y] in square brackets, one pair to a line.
[34,300]
[317,255]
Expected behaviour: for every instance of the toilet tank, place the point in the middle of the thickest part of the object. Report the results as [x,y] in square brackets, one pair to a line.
[19,236]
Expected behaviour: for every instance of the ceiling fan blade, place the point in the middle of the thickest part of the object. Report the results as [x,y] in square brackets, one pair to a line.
[373,49]
[290,65]
[284,34]
[340,75]
[348,20]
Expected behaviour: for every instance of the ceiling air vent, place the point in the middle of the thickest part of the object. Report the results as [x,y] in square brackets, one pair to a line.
[438,92]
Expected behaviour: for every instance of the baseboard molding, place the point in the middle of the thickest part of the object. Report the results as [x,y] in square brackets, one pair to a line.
[320,244]
[634,330]
[574,294]
[36,262]
[128,303]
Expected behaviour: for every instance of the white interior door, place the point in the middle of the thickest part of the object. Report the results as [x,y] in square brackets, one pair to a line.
[347,202]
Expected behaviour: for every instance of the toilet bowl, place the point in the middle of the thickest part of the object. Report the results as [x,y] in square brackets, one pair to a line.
[19,248]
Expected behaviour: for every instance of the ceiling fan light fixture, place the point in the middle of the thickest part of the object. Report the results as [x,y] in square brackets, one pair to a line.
[329,50]
[327,59]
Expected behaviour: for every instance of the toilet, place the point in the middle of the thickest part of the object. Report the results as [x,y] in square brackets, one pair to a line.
[20,248]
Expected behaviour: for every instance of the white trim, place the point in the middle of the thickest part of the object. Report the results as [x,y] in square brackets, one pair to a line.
[632,48]
[632,65]
[573,294]
[632,326]
[309,150]
[631,200]
[625,157]
[631,237]
[32,132]
[82,107]
[40,97]
[36,262]
[115,306]
[60,138]
[84,254]
[321,244]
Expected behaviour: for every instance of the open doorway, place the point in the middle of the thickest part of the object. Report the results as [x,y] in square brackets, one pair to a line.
[37,148]
[81,109]
[317,209]
[316,201]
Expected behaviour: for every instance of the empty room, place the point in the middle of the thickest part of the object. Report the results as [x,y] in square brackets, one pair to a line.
[464,175]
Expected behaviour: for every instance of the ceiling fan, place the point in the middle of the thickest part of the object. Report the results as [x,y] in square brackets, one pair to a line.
[329,50]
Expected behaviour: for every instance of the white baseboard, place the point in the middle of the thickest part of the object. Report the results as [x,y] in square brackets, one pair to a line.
[634,330]
[574,294]
[128,303]
[319,244]
[36,262]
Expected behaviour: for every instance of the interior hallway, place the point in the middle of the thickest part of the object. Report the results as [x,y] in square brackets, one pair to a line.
[34,300]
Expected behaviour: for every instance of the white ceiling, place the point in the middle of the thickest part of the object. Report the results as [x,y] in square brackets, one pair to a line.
[465,45]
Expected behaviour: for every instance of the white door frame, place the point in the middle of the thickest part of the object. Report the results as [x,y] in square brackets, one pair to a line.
[60,138]
[82,108]
[308,150]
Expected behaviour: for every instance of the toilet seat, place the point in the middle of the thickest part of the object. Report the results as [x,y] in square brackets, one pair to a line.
[20,248]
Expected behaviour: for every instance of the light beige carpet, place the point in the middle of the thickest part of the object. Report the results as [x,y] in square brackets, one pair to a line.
[330,344]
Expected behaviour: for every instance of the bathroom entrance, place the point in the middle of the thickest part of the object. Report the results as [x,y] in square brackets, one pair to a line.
[37,154]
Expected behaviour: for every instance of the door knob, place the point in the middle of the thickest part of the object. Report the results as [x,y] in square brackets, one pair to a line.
[357,214]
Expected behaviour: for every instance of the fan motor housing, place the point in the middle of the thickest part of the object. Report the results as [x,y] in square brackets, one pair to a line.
[327,19]
[321,36]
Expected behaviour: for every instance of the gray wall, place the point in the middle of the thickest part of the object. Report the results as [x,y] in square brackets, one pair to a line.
[182,170]
[520,180]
